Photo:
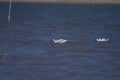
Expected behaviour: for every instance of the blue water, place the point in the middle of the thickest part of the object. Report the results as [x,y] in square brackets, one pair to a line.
[32,55]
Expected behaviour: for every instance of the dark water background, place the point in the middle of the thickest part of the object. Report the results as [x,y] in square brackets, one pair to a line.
[33,55]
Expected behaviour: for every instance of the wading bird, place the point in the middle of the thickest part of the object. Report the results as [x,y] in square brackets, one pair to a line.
[102,40]
[60,40]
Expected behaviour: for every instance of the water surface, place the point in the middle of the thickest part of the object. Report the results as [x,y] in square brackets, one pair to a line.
[34,56]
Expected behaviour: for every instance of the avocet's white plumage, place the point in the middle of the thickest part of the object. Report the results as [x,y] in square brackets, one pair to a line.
[102,40]
[60,40]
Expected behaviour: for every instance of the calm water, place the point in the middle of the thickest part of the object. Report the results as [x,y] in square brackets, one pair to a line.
[33,55]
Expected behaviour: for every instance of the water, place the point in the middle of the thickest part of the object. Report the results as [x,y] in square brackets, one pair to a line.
[34,56]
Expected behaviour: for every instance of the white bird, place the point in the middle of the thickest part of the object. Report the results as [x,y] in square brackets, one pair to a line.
[102,40]
[60,40]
